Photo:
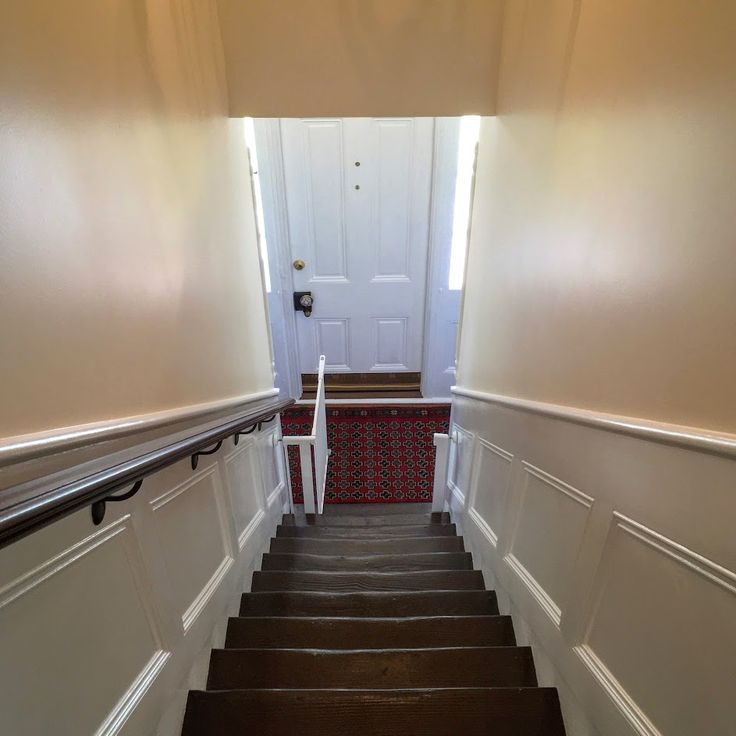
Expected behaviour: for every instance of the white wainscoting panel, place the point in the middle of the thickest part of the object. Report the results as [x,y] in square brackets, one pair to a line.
[460,463]
[194,540]
[273,469]
[242,476]
[104,630]
[651,592]
[612,549]
[546,536]
[61,625]
[492,477]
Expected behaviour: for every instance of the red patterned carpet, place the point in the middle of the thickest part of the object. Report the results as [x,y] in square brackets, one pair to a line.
[380,454]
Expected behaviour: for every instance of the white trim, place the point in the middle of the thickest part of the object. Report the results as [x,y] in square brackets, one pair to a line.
[720,443]
[635,716]
[444,174]
[32,578]
[275,494]
[483,527]
[559,485]
[457,494]
[133,696]
[37,444]
[278,238]
[250,528]
[533,586]
[203,597]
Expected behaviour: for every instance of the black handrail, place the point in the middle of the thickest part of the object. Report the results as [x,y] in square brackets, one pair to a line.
[24,513]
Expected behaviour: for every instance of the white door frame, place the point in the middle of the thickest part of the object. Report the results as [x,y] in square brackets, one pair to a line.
[444,174]
[276,223]
[273,192]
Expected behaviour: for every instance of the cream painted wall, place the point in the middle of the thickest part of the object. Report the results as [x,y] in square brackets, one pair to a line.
[602,263]
[369,58]
[129,273]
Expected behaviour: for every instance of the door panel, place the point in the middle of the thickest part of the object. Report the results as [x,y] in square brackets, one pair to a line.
[393,206]
[358,202]
[390,344]
[332,338]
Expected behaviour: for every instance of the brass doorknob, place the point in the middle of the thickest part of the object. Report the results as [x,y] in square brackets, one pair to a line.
[298,264]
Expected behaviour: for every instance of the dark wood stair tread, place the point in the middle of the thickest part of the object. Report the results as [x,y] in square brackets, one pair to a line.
[368,521]
[371,668]
[361,547]
[376,563]
[435,712]
[422,603]
[378,532]
[369,633]
[346,582]
[369,623]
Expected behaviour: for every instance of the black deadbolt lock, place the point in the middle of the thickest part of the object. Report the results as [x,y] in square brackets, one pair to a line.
[303,302]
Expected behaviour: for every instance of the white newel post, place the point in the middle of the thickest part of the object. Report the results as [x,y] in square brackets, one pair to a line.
[317,441]
[439,491]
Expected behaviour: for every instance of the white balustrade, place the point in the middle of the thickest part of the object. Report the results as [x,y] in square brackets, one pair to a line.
[313,452]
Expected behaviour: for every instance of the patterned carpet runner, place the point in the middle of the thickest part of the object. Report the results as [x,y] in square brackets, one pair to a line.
[380,454]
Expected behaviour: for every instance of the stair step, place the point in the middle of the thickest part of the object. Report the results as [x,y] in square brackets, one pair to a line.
[371,668]
[370,521]
[362,547]
[439,712]
[371,509]
[434,603]
[374,563]
[380,532]
[370,633]
[348,582]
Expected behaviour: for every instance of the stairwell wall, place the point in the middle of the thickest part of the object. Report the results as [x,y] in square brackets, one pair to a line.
[594,460]
[131,300]
[130,280]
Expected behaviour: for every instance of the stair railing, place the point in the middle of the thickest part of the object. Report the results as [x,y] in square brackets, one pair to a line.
[31,505]
[313,452]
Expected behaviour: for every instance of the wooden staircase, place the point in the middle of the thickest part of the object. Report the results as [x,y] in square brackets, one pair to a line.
[371,624]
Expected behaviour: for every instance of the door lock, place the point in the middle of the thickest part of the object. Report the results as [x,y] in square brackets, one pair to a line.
[303,301]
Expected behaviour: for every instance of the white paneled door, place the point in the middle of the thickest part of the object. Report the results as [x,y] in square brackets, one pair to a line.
[358,194]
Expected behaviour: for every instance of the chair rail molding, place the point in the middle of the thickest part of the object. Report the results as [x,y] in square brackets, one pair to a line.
[720,443]
[59,439]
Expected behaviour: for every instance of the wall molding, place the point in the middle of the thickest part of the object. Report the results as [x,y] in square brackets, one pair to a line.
[133,696]
[31,579]
[719,443]
[635,716]
[48,442]
[559,485]
[536,590]
[483,527]
[203,597]
[250,528]
[704,567]
[275,494]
